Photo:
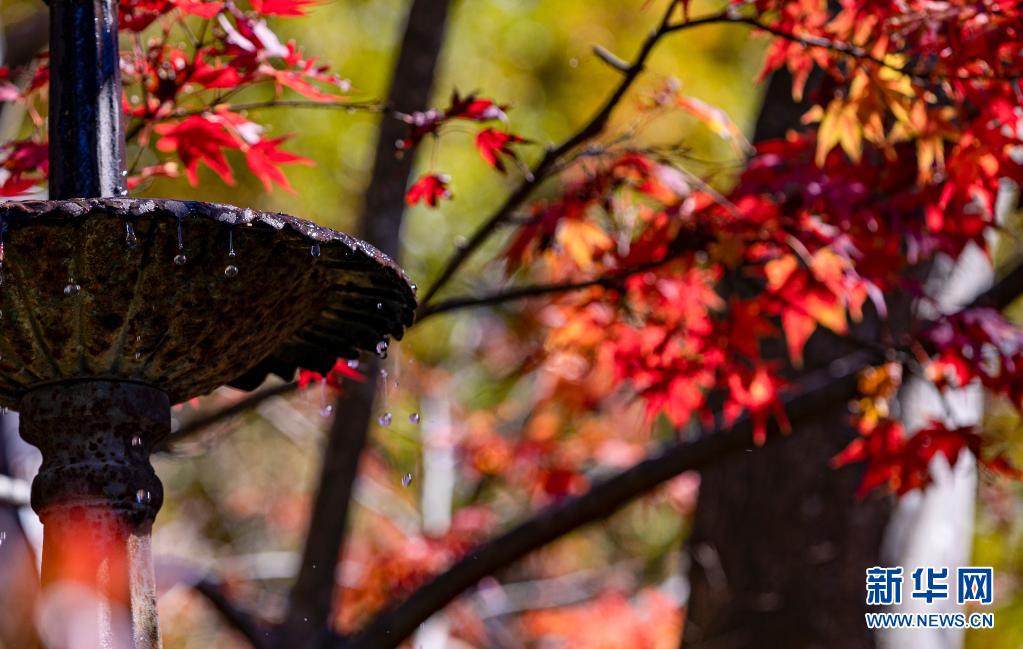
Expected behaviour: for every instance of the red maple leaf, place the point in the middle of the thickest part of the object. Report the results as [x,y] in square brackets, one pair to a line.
[493,145]
[281,7]
[199,139]
[428,189]
[204,10]
[265,158]
[215,75]
[474,109]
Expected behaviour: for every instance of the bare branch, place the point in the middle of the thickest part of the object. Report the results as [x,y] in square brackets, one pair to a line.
[833,385]
[200,423]
[513,294]
[311,600]
[610,58]
[609,281]
[255,631]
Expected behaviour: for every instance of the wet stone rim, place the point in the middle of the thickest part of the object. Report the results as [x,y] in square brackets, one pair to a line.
[366,297]
[13,213]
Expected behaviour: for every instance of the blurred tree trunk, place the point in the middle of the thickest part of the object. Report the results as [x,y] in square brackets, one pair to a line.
[780,543]
[311,606]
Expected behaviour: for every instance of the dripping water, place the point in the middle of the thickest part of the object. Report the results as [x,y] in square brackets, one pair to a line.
[231,270]
[129,235]
[180,259]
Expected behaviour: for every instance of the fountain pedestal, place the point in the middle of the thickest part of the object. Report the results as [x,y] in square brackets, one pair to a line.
[97,496]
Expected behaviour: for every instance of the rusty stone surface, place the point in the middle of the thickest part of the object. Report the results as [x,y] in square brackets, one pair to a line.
[96,437]
[78,302]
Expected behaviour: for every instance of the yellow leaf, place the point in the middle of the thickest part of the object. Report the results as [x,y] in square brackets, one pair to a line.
[583,242]
[850,134]
[829,131]
[779,270]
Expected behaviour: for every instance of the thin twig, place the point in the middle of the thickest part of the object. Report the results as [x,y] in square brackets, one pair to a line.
[371,106]
[255,631]
[200,423]
[610,281]
[513,294]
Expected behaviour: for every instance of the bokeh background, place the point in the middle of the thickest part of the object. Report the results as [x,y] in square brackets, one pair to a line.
[450,461]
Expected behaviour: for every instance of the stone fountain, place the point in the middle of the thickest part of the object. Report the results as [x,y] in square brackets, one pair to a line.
[114,309]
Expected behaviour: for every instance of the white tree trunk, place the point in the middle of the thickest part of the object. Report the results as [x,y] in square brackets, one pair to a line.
[935,527]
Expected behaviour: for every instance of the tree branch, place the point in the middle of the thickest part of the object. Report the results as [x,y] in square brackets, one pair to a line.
[198,424]
[388,630]
[254,630]
[512,294]
[611,280]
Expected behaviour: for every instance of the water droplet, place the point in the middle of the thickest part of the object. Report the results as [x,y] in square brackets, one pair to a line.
[384,419]
[406,480]
[382,349]
[230,243]
[180,259]
[380,306]
[326,410]
[231,271]
[72,289]
[130,239]
[181,237]
[353,364]
[143,496]
[314,250]
[136,441]
[415,289]
[413,418]
[383,374]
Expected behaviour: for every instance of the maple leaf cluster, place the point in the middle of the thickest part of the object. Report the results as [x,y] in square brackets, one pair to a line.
[494,145]
[177,99]
[914,124]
